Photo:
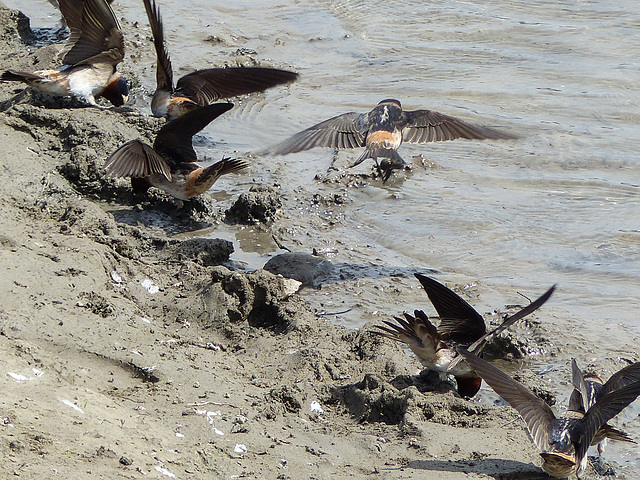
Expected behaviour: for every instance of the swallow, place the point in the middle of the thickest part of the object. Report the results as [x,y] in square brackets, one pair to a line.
[170,163]
[588,389]
[460,324]
[202,87]
[564,440]
[89,58]
[381,131]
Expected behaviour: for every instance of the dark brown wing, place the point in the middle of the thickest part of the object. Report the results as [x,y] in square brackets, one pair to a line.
[627,375]
[343,131]
[410,330]
[164,72]
[459,322]
[579,400]
[175,140]
[479,344]
[536,413]
[207,86]
[95,37]
[604,410]
[136,159]
[425,126]
[417,332]
[71,11]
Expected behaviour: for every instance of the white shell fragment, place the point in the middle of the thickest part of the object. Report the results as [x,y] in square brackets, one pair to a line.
[151,287]
[164,471]
[18,377]
[316,408]
[240,448]
[115,276]
[209,415]
[69,403]
[291,286]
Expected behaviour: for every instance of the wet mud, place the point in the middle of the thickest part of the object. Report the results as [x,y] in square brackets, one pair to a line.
[129,353]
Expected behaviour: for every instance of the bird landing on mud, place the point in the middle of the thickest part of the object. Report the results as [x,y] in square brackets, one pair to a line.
[460,324]
[588,389]
[170,163]
[563,441]
[93,50]
[381,131]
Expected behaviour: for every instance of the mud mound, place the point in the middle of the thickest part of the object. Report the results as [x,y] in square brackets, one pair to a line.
[259,205]
[260,298]
[400,401]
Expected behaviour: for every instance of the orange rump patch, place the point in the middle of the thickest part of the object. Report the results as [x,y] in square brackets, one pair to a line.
[387,139]
[178,106]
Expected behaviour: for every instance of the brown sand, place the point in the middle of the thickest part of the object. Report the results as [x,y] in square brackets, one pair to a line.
[213,376]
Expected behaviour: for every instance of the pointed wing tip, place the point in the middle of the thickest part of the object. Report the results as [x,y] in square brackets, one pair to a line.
[428,283]
[293,76]
[423,278]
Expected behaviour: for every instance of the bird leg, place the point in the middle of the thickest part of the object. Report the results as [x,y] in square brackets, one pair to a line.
[334,159]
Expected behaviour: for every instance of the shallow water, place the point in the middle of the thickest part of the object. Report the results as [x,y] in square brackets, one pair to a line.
[558,205]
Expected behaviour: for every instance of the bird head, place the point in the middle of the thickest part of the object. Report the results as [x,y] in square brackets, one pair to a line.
[117,90]
[392,101]
[558,464]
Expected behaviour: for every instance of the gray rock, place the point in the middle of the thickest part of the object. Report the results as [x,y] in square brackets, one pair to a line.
[303,267]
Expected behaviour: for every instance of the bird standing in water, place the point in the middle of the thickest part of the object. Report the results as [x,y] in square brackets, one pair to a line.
[381,131]
[170,163]
[202,87]
[93,50]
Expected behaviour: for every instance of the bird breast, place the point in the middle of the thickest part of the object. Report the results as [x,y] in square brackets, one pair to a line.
[89,80]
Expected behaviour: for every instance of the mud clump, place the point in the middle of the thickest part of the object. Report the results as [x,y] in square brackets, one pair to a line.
[288,397]
[524,339]
[372,400]
[401,403]
[97,304]
[259,205]
[204,251]
[84,172]
[260,298]
[16,25]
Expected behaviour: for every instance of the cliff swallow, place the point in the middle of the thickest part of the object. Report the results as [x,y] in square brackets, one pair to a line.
[588,389]
[202,87]
[460,324]
[93,50]
[170,164]
[381,131]
[564,440]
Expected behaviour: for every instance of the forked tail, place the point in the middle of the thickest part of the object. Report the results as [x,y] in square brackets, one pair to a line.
[229,165]
[13,76]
